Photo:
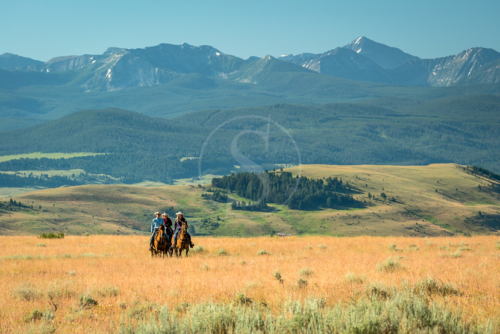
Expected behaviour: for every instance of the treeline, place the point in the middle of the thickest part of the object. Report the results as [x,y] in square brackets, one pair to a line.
[129,168]
[45,181]
[16,204]
[256,206]
[281,187]
[483,172]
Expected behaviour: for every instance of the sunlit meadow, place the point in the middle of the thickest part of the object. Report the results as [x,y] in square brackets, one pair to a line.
[93,283]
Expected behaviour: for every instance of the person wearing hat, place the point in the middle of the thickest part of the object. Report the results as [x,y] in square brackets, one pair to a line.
[168,225]
[167,220]
[178,224]
[155,225]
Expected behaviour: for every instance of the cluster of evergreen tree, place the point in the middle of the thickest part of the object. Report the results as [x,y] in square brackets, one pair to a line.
[216,195]
[256,206]
[12,180]
[273,187]
[18,204]
[13,205]
[484,172]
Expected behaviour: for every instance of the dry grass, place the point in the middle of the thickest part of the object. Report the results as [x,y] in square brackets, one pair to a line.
[118,273]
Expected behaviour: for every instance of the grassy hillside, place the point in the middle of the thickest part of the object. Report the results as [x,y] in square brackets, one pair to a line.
[428,200]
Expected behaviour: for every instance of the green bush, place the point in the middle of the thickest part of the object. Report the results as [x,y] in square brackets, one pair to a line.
[390,265]
[354,279]
[40,245]
[199,249]
[27,293]
[394,249]
[398,311]
[33,316]
[262,252]
[242,299]
[182,307]
[86,302]
[144,311]
[380,291]
[412,248]
[278,276]
[58,235]
[108,291]
[306,272]
[301,283]
[221,252]
[432,286]
[36,315]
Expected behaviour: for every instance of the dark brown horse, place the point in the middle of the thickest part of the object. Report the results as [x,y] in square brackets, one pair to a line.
[170,234]
[182,241]
[160,243]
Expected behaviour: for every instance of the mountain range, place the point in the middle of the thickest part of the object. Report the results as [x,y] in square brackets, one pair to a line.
[169,80]
[366,60]
[362,59]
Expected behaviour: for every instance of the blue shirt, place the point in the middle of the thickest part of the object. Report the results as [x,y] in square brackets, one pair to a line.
[156,223]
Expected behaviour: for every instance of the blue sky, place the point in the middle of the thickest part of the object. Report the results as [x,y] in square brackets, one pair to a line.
[428,29]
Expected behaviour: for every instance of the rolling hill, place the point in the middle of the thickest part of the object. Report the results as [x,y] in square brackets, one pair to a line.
[445,199]
[399,131]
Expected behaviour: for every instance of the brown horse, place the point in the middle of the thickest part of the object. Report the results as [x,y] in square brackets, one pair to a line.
[182,241]
[160,243]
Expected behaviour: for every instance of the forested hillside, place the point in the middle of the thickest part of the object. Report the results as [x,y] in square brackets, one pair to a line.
[399,131]
[283,188]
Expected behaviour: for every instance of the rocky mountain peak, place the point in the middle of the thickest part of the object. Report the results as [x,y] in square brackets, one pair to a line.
[385,56]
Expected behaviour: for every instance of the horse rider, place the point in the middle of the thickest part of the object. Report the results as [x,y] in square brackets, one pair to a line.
[178,224]
[155,225]
[168,224]
[167,221]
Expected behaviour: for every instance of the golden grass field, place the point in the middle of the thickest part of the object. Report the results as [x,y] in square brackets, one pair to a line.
[118,272]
